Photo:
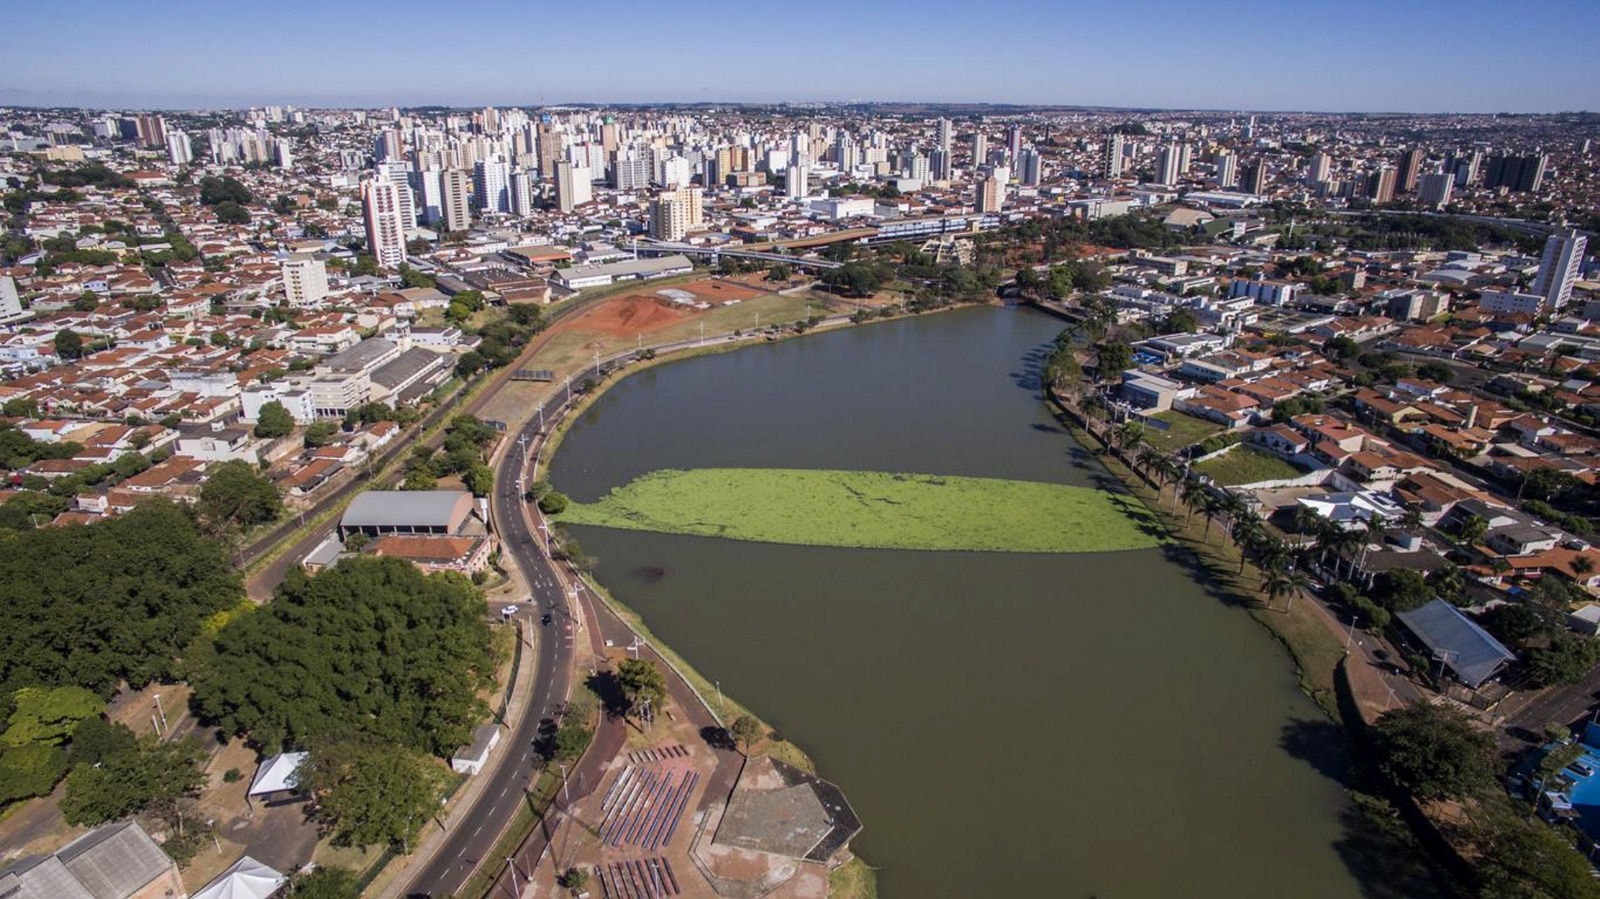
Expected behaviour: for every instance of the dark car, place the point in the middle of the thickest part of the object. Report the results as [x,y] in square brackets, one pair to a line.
[545,618]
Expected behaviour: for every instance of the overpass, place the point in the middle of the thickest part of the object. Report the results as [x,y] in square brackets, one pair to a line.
[715,254]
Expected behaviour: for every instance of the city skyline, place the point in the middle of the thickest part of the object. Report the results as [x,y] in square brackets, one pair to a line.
[1242,55]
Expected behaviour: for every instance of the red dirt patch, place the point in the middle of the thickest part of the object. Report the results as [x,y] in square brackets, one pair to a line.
[629,315]
[721,291]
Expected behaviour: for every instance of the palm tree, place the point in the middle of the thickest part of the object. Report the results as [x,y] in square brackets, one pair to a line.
[1246,532]
[1581,566]
[1272,554]
[1339,541]
[1412,519]
[1168,470]
[1283,582]
[1193,493]
[1212,509]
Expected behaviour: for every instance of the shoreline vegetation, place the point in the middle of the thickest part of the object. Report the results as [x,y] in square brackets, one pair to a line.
[874,510]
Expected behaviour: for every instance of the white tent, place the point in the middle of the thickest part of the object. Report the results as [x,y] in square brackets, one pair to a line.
[276,774]
[247,879]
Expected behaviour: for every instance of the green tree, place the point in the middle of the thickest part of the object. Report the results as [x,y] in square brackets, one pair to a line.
[235,495]
[745,731]
[95,739]
[1522,859]
[231,213]
[321,433]
[69,344]
[274,421]
[48,715]
[31,770]
[152,774]
[366,264]
[20,407]
[1180,321]
[641,684]
[324,882]
[410,277]
[368,792]
[553,503]
[1115,357]
[1567,659]
[1433,752]
[372,639]
[86,302]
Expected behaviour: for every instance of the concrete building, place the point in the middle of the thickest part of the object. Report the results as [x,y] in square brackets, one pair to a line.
[1227,170]
[1318,170]
[491,185]
[796,180]
[1114,156]
[1410,166]
[523,199]
[572,186]
[1435,188]
[10,303]
[305,280]
[674,213]
[454,190]
[379,512]
[989,195]
[386,228]
[179,149]
[1030,167]
[1559,268]
[1255,177]
[1167,164]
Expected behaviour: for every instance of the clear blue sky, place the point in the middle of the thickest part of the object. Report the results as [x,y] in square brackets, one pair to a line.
[1367,55]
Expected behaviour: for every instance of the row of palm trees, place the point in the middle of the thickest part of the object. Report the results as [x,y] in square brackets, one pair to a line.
[1281,565]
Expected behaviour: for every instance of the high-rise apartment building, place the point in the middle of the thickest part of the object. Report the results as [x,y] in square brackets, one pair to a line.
[1319,169]
[1014,145]
[572,186]
[523,199]
[455,187]
[980,148]
[1255,177]
[1434,189]
[1381,185]
[179,150]
[427,193]
[1168,164]
[1114,153]
[305,280]
[549,147]
[1031,167]
[382,207]
[491,185]
[1559,267]
[1227,170]
[940,162]
[989,194]
[796,180]
[674,212]
[1410,170]
[1523,174]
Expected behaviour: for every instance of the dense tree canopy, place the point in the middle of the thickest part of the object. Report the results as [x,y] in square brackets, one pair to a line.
[89,605]
[215,191]
[1433,752]
[236,495]
[371,644]
[273,421]
[152,773]
[367,791]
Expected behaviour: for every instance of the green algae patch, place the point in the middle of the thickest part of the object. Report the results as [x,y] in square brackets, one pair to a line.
[874,510]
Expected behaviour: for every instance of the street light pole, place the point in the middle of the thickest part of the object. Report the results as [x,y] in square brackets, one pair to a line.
[512,867]
[565,796]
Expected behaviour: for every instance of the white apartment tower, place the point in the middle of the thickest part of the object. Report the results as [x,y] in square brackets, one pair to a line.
[305,280]
[796,180]
[522,198]
[572,186]
[673,213]
[179,149]
[491,181]
[384,213]
[1559,268]
[1114,147]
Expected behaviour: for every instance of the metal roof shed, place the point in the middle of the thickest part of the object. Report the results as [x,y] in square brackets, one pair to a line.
[1468,650]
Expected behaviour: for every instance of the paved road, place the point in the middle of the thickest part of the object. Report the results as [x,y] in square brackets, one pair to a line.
[462,850]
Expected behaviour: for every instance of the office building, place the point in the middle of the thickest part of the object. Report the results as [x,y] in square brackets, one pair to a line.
[382,207]
[1114,153]
[305,280]
[454,190]
[1410,170]
[491,185]
[572,186]
[1434,189]
[1559,267]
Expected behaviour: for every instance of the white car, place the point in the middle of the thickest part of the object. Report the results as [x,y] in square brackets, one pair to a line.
[508,611]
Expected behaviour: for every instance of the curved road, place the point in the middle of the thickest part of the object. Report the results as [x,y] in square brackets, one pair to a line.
[465,847]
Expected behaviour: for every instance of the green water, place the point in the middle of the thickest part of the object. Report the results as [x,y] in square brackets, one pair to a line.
[1005,724]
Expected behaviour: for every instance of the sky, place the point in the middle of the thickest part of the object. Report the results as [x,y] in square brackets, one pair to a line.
[1334,56]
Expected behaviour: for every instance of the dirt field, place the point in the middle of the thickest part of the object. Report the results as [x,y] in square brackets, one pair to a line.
[722,291]
[628,316]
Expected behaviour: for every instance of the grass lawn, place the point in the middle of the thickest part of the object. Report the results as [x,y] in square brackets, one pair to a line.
[874,509]
[1181,431]
[1246,465]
